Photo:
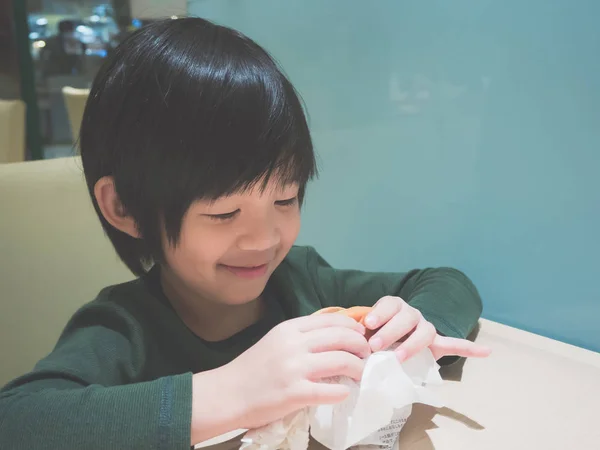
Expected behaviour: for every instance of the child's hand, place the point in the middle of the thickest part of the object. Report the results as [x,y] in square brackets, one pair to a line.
[283,372]
[401,322]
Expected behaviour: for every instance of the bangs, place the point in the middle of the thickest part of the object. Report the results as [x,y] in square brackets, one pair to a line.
[244,123]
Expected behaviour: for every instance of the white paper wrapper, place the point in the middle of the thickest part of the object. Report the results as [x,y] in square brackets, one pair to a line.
[373,414]
[220,439]
[289,433]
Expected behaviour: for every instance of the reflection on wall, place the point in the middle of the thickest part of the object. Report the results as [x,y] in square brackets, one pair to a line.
[459,133]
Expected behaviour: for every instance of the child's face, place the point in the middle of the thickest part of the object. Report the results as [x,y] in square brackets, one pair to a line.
[229,248]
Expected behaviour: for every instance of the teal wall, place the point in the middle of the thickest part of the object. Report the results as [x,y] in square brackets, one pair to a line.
[462,133]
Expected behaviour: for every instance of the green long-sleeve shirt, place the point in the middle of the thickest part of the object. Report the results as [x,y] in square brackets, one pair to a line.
[120,376]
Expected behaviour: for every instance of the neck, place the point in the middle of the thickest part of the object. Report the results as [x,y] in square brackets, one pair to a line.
[206,318]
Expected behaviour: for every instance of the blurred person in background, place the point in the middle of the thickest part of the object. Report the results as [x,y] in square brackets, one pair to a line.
[63,53]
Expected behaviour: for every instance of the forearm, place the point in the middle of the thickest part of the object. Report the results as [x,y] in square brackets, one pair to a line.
[153,414]
[446,298]
[216,405]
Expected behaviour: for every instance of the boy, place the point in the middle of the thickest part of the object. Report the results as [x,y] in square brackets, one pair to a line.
[196,152]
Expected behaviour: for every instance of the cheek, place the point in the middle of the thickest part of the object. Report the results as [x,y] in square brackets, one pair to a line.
[198,248]
[290,229]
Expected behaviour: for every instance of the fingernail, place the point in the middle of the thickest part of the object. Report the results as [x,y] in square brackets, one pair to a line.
[362,328]
[371,321]
[376,344]
[401,354]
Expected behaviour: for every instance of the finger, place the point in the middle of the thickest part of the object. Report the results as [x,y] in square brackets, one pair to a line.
[398,327]
[338,339]
[447,346]
[423,336]
[319,321]
[320,393]
[334,364]
[385,308]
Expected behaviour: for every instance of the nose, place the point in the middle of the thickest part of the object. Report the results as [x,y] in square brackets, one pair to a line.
[260,235]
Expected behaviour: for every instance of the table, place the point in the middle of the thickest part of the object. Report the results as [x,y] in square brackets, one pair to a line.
[531,393]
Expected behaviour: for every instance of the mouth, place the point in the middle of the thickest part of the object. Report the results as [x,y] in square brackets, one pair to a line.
[248,272]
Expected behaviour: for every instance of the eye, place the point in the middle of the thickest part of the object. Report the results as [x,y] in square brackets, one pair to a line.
[222,217]
[288,202]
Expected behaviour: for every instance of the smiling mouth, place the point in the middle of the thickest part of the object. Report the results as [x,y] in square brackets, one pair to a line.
[246,271]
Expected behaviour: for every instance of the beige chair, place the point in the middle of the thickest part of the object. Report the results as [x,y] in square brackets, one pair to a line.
[75,101]
[12,131]
[54,257]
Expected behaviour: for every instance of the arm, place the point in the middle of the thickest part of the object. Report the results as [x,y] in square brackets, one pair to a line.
[445,297]
[87,394]
[52,412]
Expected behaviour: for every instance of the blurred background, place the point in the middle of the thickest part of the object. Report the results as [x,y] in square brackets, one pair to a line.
[462,133]
[48,45]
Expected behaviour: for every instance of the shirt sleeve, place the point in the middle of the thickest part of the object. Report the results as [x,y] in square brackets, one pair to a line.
[445,296]
[87,395]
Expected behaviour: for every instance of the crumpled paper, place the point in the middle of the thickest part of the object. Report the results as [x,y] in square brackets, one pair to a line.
[289,433]
[373,414]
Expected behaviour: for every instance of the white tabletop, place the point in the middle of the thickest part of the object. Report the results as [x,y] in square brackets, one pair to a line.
[531,393]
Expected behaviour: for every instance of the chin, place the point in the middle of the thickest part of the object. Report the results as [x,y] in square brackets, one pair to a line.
[242,298]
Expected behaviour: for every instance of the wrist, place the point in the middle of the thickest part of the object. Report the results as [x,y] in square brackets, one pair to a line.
[217,405]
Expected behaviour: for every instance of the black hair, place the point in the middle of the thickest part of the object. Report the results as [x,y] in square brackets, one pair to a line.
[187,110]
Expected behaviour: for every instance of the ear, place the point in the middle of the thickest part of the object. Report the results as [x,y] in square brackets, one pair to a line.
[112,209]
